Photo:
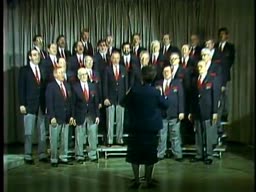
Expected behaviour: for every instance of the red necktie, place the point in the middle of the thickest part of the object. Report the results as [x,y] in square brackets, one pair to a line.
[184,63]
[154,60]
[81,62]
[127,65]
[63,54]
[42,53]
[199,82]
[166,88]
[62,91]
[37,76]
[116,73]
[86,94]
[164,50]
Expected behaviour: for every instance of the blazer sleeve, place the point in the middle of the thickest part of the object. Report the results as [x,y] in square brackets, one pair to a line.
[216,93]
[105,85]
[181,98]
[162,102]
[49,95]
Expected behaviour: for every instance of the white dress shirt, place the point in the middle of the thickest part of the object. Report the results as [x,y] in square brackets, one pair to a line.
[175,68]
[63,86]
[127,58]
[34,67]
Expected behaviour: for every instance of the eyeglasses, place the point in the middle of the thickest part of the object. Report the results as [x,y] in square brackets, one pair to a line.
[174,58]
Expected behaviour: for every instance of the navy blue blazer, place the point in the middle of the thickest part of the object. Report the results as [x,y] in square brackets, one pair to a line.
[73,65]
[175,98]
[129,69]
[197,54]
[144,104]
[88,51]
[227,61]
[115,90]
[57,106]
[48,67]
[96,80]
[66,52]
[100,64]
[160,63]
[31,94]
[140,49]
[205,97]
[82,108]
[170,50]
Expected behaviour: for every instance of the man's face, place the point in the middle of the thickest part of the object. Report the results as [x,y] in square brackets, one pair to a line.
[185,50]
[85,36]
[144,59]
[34,57]
[167,72]
[205,56]
[59,74]
[209,44]
[53,49]
[88,62]
[62,64]
[201,66]
[174,59]
[155,48]
[115,58]
[223,36]
[194,40]
[79,48]
[62,42]
[166,39]
[39,42]
[103,47]
[109,40]
[83,76]
[126,49]
[136,40]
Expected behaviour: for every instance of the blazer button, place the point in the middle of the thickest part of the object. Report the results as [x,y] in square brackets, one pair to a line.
[199,96]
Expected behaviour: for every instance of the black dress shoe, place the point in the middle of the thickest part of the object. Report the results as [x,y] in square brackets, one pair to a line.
[193,160]
[54,164]
[208,161]
[66,162]
[94,160]
[44,160]
[29,161]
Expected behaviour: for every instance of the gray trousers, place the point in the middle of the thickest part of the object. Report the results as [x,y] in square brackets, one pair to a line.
[30,122]
[90,129]
[205,137]
[171,129]
[59,132]
[110,114]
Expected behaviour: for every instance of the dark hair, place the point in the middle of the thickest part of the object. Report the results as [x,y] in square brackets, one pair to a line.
[138,34]
[223,29]
[101,41]
[58,38]
[35,37]
[84,30]
[125,43]
[148,73]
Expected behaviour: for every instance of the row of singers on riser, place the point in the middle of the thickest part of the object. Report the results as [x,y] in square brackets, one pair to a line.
[132,70]
[115,89]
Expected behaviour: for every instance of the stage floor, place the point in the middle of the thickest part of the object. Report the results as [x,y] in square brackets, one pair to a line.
[234,172]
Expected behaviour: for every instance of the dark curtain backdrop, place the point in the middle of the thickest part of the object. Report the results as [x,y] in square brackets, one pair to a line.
[121,18]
